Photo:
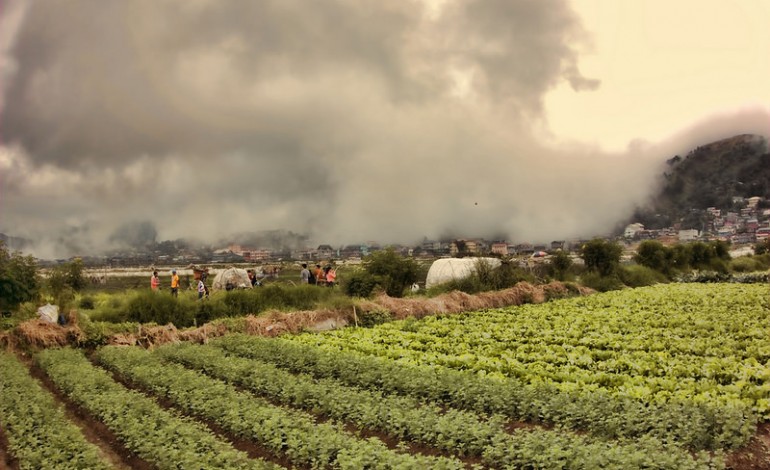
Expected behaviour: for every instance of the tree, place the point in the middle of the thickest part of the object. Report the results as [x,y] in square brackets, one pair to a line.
[601,256]
[19,279]
[654,255]
[560,264]
[392,271]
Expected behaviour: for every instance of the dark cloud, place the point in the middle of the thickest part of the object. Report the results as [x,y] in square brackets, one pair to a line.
[350,120]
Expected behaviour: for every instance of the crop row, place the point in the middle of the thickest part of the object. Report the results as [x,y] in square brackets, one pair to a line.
[40,436]
[722,381]
[293,433]
[693,425]
[450,430]
[598,338]
[163,438]
[547,343]
[677,314]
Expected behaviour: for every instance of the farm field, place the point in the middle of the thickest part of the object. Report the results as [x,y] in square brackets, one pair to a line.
[674,376]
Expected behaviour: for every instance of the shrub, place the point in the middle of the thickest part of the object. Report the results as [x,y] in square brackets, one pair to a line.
[486,278]
[19,280]
[601,256]
[370,318]
[162,308]
[601,283]
[392,271]
[637,276]
[745,264]
[86,303]
[360,284]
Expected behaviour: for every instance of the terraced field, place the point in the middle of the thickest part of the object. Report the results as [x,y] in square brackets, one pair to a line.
[673,376]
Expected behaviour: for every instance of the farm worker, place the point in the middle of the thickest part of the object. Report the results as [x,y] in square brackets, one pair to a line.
[319,275]
[155,281]
[304,275]
[201,289]
[174,283]
[331,276]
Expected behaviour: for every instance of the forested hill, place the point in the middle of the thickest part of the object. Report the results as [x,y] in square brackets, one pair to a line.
[709,176]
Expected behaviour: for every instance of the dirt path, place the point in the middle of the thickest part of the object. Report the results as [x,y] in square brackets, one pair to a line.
[251,448]
[7,462]
[756,454]
[110,448]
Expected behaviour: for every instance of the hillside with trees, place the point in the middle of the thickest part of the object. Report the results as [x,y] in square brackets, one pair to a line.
[711,175]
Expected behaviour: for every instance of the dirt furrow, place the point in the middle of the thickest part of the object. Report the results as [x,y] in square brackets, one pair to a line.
[94,431]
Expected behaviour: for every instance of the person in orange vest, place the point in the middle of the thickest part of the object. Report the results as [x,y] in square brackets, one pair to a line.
[320,277]
[174,283]
[155,281]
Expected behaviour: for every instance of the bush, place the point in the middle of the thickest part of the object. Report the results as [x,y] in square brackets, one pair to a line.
[86,303]
[486,278]
[25,311]
[751,278]
[601,283]
[637,276]
[162,308]
[745,264]
[19,280]
[370,318]
[97,333]
[360,284]
[601,256]
[392,271]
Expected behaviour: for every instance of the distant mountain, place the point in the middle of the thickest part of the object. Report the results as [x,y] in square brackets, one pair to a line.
[709,176]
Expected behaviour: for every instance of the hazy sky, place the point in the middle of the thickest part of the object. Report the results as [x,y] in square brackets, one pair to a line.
[360,120]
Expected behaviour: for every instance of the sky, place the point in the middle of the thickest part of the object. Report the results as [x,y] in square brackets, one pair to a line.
[361,120]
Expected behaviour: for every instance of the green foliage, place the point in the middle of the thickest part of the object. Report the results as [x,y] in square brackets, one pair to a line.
[560,265]
[360,284]
[97,333]
[762,247]
[145,306]
[370,318]
[654,255]
[677,260]
[600,283]
[161,308]
[143,427]
[39,433]
[296,434]
[393,367]
[639,276]
[66,276]
[19,279]
[486,278]
[601,256]
[393,272]
[86,303]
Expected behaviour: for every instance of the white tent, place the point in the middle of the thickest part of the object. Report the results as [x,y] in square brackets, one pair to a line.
[237,278]
[448,269]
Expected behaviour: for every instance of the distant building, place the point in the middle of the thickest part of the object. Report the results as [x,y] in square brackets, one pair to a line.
[500,248]
[558,245]
[325,251]
[688,235]
[632,229]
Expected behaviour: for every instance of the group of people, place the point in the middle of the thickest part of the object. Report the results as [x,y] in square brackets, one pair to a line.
[319,276]
[202,289]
